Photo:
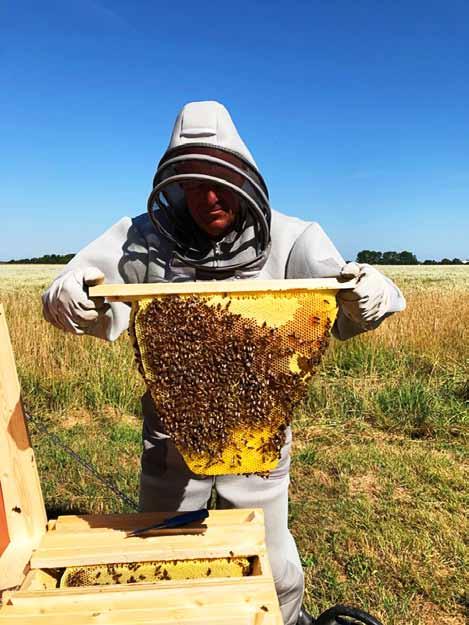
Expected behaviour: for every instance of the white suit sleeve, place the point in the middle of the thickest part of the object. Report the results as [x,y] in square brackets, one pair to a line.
[121,254]
[313,255]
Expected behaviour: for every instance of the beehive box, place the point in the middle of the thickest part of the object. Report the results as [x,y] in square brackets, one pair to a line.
[34,552]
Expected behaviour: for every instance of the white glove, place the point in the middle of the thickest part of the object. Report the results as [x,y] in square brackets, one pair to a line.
[369,301]
[66,303]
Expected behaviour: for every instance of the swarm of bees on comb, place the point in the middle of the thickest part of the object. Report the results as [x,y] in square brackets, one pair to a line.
[224,383]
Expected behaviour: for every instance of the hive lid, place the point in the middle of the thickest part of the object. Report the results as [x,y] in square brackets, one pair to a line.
[22,512]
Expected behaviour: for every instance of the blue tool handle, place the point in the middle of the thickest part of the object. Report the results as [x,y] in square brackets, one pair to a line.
[185,519]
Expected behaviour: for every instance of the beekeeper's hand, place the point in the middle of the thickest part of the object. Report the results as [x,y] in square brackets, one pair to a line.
[66,303]
[369,300]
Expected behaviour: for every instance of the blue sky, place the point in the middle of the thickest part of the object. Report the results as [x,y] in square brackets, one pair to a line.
[356,113]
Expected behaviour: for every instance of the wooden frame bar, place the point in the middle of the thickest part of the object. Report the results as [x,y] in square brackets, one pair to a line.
[132,292]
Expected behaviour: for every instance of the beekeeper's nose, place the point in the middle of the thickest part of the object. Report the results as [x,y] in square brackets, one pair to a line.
[212,197]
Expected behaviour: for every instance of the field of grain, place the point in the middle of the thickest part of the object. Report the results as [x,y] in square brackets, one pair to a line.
[379,472]
[14,277]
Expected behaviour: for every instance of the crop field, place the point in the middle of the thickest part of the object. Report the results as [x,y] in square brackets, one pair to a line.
[378,495]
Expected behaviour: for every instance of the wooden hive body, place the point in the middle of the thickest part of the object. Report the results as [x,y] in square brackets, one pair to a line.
[31,547]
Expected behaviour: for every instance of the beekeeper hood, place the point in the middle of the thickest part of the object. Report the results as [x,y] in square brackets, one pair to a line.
[205,147]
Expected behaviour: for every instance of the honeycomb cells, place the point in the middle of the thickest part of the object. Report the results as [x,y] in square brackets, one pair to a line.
[149,572]
[226,371]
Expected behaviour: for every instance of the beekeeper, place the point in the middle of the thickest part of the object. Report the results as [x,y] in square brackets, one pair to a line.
[209,218]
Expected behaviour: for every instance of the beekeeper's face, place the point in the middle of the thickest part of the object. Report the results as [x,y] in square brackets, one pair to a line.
[213,208]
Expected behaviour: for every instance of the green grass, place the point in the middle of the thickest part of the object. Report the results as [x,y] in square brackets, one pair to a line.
[402,391]
[379,471]
[380,522]
[109,445]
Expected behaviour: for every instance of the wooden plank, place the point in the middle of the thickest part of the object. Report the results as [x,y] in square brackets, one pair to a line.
[132,292]
[165,602]
[23,505]
[127,522]
[134,616]
[117,538]
[144,550]
[205,591]
[86,547]
[13,564]
[148,617]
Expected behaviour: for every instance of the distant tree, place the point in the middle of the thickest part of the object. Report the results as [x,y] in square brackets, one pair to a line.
[407,258]
[369,256]
[456,261]
[430,262]
[390,258]
[446,261]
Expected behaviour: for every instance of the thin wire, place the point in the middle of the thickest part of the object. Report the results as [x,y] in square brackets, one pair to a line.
[130,502]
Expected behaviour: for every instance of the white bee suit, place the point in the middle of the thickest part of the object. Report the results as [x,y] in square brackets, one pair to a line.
[135,251]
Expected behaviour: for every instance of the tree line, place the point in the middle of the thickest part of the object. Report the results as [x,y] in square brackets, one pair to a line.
[47,259]
[365,256]
[373,257]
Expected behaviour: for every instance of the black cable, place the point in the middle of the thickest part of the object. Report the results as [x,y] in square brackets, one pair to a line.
[130,502]
[345,615]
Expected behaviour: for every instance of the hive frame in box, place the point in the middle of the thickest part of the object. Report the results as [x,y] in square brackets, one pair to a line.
[29,546]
